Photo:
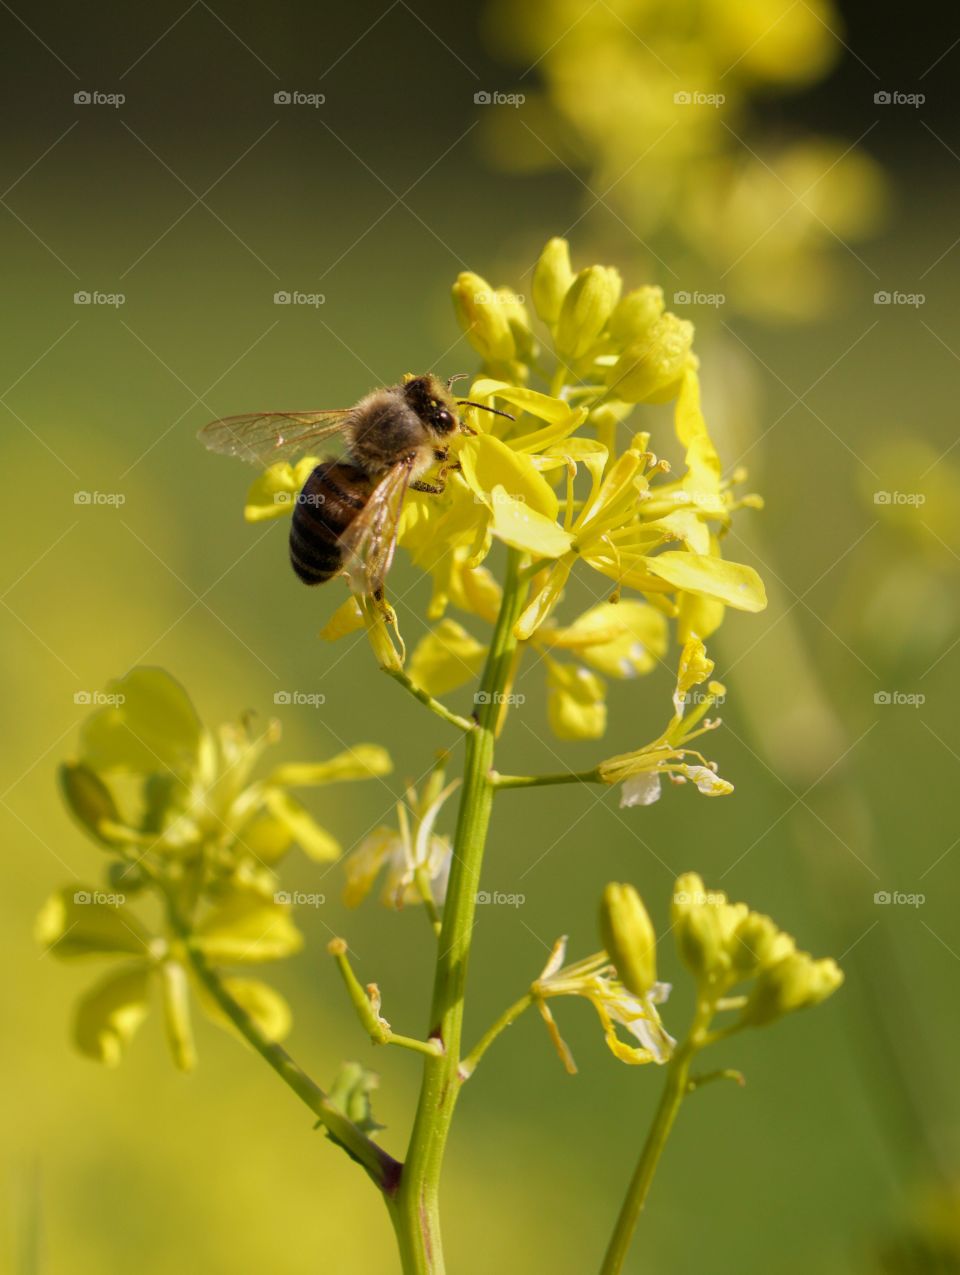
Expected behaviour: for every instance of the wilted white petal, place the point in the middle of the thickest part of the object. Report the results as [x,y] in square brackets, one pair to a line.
[641,790]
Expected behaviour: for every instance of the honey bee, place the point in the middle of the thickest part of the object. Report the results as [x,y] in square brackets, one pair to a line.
[347,515]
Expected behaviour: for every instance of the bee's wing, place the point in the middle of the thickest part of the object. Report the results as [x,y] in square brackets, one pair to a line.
[369,542]
[263,438]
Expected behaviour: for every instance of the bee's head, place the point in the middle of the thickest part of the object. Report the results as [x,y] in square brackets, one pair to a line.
[433,403]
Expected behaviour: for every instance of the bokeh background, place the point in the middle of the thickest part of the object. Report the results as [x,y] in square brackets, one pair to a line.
[797,199]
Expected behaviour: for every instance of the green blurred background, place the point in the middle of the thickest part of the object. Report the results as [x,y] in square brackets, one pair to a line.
[199,198]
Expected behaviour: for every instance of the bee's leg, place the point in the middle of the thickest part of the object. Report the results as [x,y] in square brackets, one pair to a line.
[433,489]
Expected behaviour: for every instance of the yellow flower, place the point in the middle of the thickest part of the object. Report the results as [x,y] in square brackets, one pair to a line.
[641,772]
[595,980]
[415,858]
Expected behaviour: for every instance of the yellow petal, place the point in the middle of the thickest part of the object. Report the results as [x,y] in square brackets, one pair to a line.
[489,463]
[523,527]
[274,493]
[362,761]
[575,704]
[347,618]
[737,585]
[446,658]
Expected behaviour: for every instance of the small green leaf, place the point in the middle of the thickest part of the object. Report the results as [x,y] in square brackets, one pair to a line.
[350,1094]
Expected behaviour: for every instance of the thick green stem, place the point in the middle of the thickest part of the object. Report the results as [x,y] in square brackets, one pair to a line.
[675,1090]
[414,1210]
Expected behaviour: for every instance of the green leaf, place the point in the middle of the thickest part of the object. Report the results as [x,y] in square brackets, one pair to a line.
[247,928]
[108,1016]
[82,921]
[150,727]
[363,761]
[350,1094]
[733,583]
[313,840]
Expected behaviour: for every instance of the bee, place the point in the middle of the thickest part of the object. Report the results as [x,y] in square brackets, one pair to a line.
[347,515]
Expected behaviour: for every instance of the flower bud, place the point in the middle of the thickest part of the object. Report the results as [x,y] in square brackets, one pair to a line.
[758,944]
[635,315]
[628,936]
[795,982]
[696,924]
[518,320]
[483,318]
[650,368]
[586,308]
[90,801]
[552,278]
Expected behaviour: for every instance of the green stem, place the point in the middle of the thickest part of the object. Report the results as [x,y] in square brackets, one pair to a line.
[506,1019]
[674,1091]
[541,781]
[415,1211]
[381,1167]
[434,705]
[379,1031]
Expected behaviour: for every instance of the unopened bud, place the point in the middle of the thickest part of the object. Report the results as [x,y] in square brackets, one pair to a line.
[552,279]
[650,368]
[585,311]
[629,938]
[484,320]
[795,982]
[635,315]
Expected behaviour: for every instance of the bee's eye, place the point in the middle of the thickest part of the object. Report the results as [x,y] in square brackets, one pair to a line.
[443,421]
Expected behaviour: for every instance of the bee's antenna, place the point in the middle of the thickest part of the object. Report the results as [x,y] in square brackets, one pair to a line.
[466,402]
[460,376]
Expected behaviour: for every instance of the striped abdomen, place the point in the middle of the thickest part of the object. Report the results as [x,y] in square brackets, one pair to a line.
[331,498]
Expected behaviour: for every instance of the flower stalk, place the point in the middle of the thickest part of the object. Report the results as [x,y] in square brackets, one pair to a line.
[415,1209]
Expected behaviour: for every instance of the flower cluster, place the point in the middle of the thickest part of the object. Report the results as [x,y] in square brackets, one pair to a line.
[662,101]
[567,484]
[724,945]
[178,811]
